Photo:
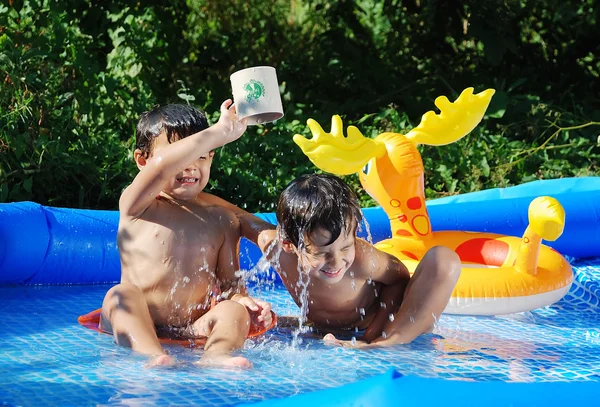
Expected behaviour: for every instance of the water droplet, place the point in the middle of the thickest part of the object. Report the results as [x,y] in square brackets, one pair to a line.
[362,311]
[162,242]
[383,334]
[383,305]
[353,341]
[391,317]
[412,319]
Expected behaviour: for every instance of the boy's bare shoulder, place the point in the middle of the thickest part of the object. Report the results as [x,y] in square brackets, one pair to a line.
[366,249]
[368,256]
[221,215]
[125,202]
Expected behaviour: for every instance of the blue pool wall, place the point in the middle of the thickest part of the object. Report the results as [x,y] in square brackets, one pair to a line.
[49,245]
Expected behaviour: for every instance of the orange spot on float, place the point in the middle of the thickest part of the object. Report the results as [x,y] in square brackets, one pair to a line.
[526,239]
[414,203]
[402,218]
[483,251]
[409,255]
[395,203]
[421,224]
[403,232]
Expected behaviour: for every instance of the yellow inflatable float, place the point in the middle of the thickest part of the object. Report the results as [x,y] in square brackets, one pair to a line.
[501,274]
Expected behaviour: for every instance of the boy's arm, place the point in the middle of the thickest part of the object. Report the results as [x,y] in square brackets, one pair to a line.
[228,262]
[174,158]
[394,277]
[253,228]
[229,277]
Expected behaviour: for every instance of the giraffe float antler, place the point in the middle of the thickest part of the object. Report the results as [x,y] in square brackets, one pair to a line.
[454,121]
[335,153]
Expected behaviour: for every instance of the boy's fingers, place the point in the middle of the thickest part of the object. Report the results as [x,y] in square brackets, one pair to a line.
[331,339]
[225,105]
[251,304]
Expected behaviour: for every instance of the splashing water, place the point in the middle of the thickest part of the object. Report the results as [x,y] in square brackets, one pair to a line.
[262,273]
[367,229]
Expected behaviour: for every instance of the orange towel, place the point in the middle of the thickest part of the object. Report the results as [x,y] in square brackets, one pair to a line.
[92,321]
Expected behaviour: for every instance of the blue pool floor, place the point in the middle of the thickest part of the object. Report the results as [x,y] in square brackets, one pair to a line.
[48,359]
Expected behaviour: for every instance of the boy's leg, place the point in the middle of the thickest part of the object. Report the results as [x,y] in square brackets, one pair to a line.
[226,327]
[426,295]
[125,314]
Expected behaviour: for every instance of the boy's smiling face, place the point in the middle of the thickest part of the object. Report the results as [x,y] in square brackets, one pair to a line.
[327,261]
[192,180]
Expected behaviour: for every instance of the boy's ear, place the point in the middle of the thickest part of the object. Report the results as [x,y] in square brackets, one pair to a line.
[139,158]
[288,246]
[211,153]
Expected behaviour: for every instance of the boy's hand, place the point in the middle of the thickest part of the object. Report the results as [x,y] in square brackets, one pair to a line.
[228,122]
[329,339]
[260,311]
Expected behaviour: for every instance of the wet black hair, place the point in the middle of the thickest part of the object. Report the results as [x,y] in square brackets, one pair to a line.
[176,120]
[317,201]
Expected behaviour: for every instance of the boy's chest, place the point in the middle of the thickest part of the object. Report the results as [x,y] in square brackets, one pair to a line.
[347,297]
[174,238]
[184,224]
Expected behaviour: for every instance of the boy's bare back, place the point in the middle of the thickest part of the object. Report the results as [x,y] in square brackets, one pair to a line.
[177,252]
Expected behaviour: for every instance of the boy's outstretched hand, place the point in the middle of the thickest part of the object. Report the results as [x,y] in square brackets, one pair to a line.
[330,339]
[228,122]
[260,311]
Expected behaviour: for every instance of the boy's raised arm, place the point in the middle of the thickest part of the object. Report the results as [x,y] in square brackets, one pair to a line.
[173,158]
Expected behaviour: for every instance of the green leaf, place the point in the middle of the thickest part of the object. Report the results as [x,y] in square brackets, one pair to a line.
[498,105]
[485,167]
[27,184]
[3,192]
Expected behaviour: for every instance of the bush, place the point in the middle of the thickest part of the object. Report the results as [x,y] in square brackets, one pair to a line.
[76,76]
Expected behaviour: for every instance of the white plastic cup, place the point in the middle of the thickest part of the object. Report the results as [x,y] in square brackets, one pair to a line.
[256,94]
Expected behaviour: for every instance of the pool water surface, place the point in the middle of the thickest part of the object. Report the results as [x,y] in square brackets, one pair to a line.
[47,358]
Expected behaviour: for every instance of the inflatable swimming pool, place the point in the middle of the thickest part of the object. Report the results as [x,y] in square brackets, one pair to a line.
[50,256]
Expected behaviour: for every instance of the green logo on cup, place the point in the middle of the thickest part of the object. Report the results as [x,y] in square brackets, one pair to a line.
[254,90]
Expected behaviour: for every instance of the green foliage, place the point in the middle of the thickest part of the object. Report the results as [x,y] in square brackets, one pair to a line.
[77,74]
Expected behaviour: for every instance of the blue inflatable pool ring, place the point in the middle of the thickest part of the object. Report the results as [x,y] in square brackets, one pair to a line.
[47,245]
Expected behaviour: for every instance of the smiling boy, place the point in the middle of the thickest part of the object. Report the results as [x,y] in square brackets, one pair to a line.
[350,286]
[178,251]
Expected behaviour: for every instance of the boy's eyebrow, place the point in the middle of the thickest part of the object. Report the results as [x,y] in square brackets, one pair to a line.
[309,248]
